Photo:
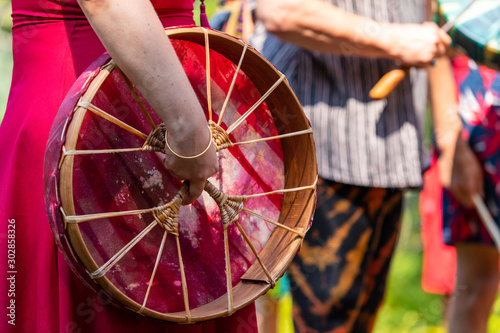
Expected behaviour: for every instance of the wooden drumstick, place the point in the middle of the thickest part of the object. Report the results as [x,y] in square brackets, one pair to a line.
[388,82]
[487,219]
[391,79]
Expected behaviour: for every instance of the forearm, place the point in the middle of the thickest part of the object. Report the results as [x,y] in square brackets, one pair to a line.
[134,37]
[459,169]
[318,25]
[132,33]
[443,99]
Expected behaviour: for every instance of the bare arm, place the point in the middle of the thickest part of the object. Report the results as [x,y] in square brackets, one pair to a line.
[459,168]
[134,37]
[320,26]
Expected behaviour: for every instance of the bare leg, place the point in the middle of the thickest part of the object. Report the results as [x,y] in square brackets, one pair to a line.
[475,289]
[266,314]
[446,305]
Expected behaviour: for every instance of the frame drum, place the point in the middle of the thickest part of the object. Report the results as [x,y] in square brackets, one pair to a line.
[115,210]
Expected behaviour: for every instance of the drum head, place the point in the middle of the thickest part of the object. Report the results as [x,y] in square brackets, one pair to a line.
[115,210]
[477,31]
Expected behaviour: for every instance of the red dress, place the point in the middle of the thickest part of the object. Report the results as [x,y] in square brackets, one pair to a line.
[53,44]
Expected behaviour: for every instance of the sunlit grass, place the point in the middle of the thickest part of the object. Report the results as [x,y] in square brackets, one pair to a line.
[5,54]
[5,71]
[407,308]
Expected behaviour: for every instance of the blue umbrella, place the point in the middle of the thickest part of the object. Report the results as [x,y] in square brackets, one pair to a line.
[476,32]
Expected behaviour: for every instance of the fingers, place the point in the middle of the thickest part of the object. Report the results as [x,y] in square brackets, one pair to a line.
[443,41]
[465,198]
[445,38]
[469,184]
[467,188]
[194,191]
[194,171]
[419,44]
[461,173]
[439,38]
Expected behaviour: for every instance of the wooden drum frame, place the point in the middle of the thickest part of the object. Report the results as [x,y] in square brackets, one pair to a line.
[283,132]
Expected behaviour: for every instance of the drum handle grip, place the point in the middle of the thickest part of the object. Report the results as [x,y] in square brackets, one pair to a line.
[388,82]
[183,191]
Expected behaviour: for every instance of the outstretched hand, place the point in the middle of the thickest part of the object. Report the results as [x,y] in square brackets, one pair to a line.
[461,173]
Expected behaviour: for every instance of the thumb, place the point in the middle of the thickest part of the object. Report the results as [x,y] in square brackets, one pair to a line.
[194,191]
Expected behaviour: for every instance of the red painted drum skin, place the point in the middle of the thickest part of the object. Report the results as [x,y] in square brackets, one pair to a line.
[105,194]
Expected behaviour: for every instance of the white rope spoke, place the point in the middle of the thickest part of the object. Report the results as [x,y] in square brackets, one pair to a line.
[136,97]
[207,65]
[256,105]
[101,151]
[281,136]
[229,284]
[114,120]
[158,257]
[264,268]
[226,101]
[89,217]
[286,190]
[183,281]
[251,212]
[111,262]
[278,224]
[175,202]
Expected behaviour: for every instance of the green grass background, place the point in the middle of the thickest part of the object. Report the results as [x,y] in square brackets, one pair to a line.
[5,53]
[407,309]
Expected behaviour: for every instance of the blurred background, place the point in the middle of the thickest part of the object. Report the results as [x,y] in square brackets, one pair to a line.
[407,309]
[5,53]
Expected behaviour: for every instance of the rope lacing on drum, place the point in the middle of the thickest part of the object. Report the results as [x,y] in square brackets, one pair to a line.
[219,136]
[230,205]
[167,215]
[156,139]
[230,208]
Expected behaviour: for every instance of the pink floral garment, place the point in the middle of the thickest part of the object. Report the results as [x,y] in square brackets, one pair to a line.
[479,108]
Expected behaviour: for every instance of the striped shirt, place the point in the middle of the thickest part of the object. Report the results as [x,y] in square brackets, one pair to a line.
[359,141]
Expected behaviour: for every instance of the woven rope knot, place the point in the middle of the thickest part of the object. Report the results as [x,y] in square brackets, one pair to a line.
[156,139]
[230,205]
[168,219]
[167,215]
[219,136]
